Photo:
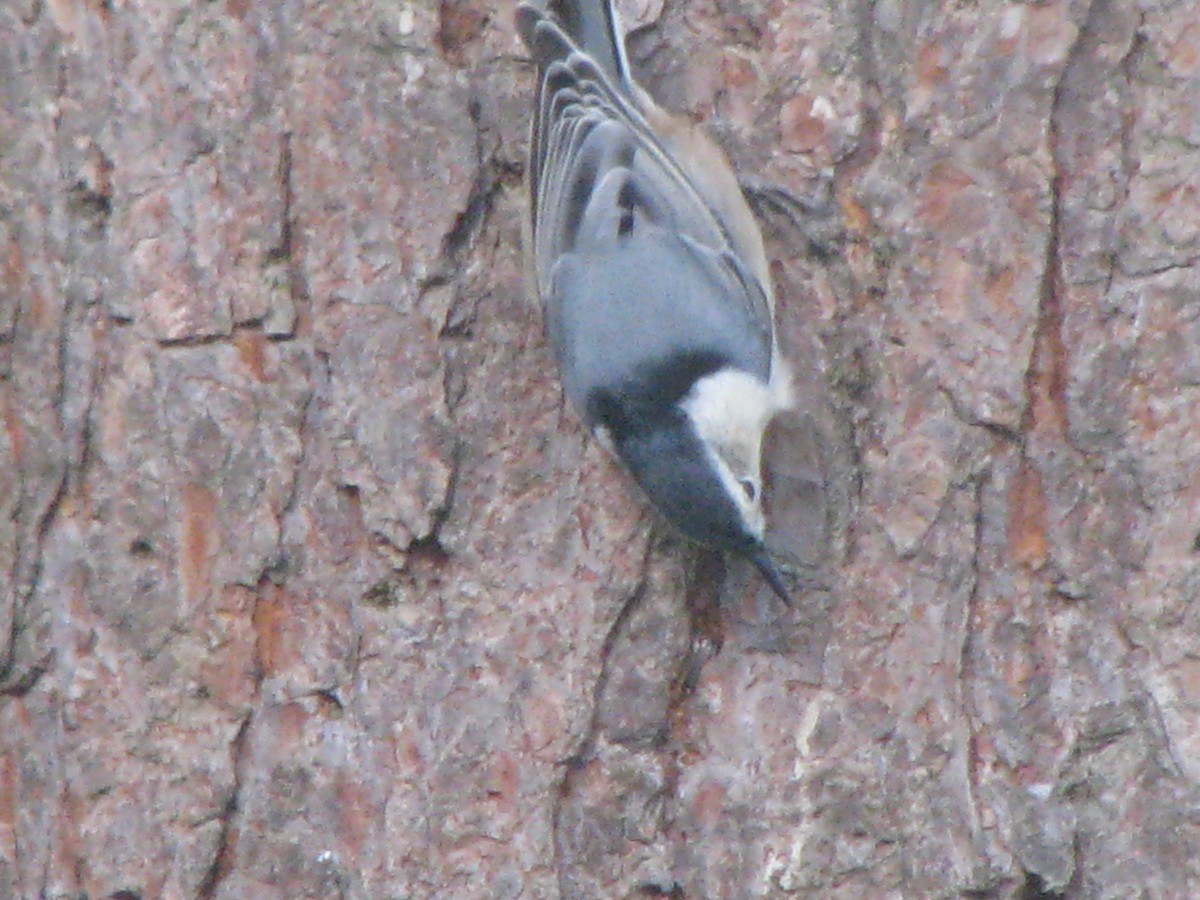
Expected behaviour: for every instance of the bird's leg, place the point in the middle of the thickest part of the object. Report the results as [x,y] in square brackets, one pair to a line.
[813,215]
[777,198]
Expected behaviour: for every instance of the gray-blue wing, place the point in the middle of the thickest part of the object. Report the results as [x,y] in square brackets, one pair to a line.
[619,313]
[625,249]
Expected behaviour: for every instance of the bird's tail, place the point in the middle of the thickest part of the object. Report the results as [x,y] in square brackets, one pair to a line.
[590,24]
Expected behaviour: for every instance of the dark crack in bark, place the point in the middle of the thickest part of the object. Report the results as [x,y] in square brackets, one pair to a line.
[21,683]
[316,364]
[587,742]
[1046,411]
[851,380]
[577,761]
[1045,379]
[223,858]
[470,221]
[283,251]
[965,678]
[1128,109]
[281,267]
[870,143]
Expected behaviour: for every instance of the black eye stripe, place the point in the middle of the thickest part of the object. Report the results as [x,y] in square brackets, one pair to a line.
[750,488]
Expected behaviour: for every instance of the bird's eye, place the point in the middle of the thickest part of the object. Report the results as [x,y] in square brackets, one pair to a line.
[750,488]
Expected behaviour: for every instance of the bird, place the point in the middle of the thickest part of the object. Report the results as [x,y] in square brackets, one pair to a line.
[653,280]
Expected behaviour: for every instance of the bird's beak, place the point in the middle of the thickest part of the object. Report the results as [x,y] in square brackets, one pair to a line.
[763,562]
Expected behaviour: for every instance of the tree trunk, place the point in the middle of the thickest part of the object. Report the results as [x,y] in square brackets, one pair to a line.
[310,585]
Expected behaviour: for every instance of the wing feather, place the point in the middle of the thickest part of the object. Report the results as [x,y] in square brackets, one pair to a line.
[586,129]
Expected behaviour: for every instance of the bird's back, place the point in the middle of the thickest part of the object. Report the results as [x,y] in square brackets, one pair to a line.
[618,312]
[634,258]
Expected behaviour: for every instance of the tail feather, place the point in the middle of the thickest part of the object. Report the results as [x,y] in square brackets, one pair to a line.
[591,25]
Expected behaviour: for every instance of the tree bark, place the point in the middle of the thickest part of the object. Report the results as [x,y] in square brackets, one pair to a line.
[310,585]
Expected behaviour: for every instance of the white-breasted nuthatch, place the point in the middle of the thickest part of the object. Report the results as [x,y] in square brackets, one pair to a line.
[654,283]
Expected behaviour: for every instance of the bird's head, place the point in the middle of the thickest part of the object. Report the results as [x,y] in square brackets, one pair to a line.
[697,458]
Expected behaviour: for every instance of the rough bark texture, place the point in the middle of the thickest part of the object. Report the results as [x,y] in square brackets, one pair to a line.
[310,587]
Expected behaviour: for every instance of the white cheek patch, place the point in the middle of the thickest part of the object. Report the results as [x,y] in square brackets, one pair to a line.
[730,410]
